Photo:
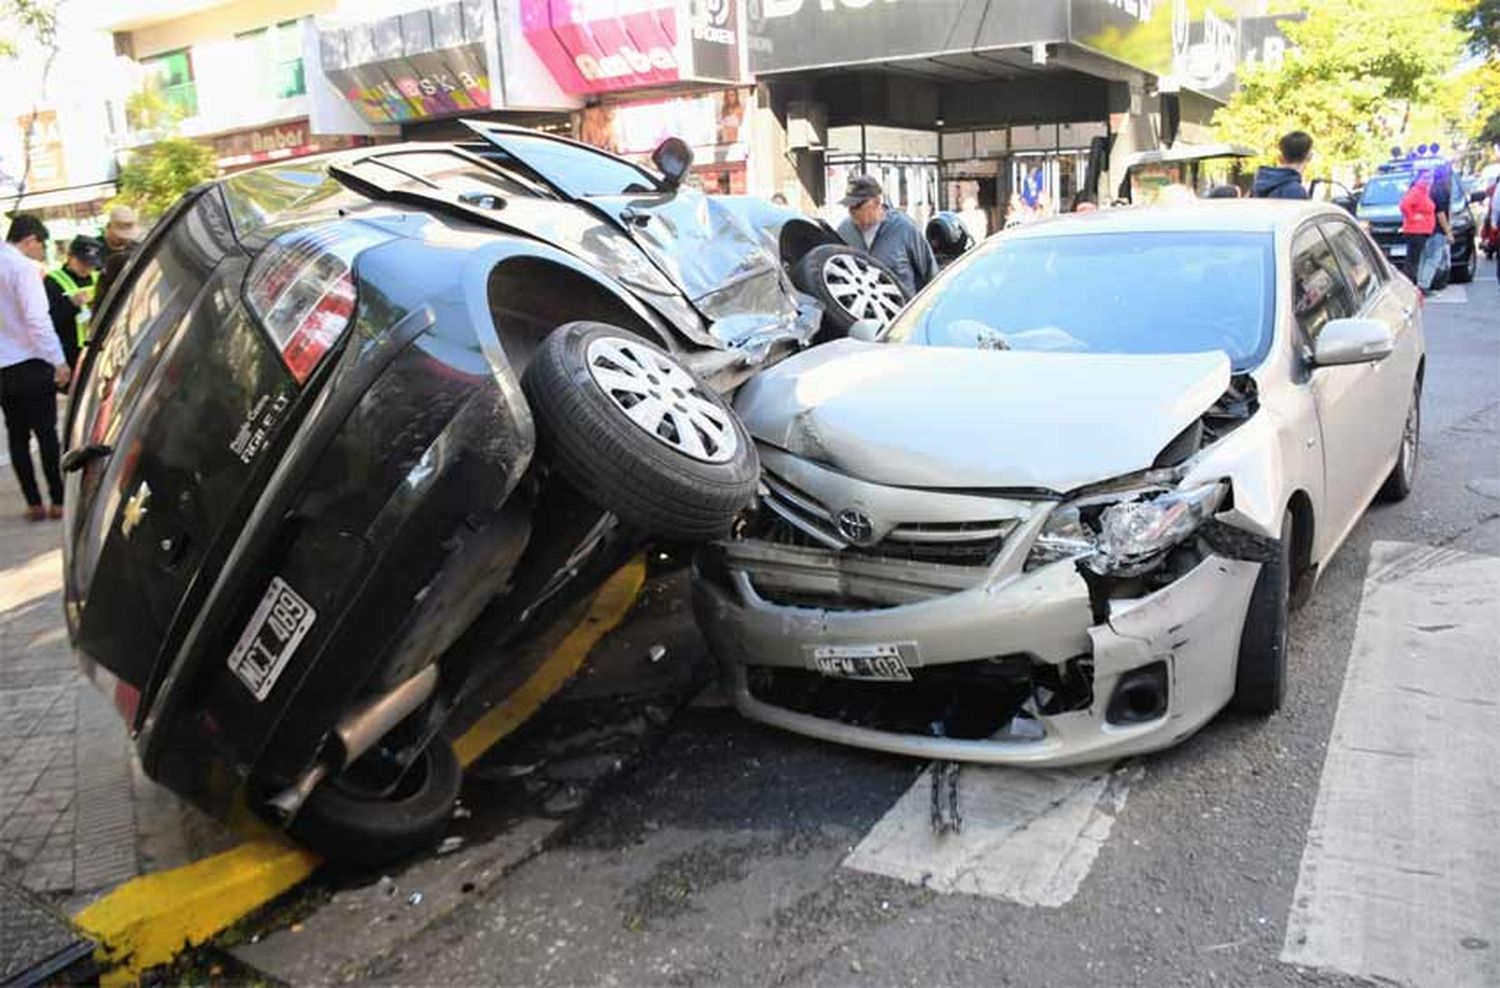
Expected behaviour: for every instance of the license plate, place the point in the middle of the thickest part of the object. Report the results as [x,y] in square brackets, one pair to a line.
[1398,250]
[275,630]
[877,662]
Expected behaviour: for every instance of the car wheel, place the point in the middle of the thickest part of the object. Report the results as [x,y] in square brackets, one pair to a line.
[1260,673]
[359,830]
[639,435]
[851,285]
[1464,273]
[1404,474]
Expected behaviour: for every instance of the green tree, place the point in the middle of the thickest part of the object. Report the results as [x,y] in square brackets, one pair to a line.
[29,22]
[156,176]
[1480,21]
[1356,72]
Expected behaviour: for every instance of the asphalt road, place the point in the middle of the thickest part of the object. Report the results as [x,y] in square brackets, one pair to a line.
[718,859]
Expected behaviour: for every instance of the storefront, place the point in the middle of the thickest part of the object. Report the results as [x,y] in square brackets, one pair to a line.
[712,123]
[237,150]
[998,105]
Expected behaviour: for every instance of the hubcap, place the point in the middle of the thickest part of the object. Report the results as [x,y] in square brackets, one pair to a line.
[864,291]
[661,398]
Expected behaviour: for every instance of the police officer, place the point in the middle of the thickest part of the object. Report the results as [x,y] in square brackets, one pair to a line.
[70,294]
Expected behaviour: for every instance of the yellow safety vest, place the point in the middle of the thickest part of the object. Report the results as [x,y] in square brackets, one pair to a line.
[70,287]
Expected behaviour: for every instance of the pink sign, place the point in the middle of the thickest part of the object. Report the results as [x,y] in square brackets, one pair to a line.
[597,46]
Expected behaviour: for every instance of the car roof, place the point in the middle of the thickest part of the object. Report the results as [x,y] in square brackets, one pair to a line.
[1226,215]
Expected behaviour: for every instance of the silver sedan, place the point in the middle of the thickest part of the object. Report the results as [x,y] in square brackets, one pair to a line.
[1058,510]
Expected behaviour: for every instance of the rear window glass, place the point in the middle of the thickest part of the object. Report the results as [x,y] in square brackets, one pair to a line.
[256,198]
[453,173]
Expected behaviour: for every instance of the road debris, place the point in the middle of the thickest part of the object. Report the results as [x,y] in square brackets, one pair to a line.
[946,818]
[450,844]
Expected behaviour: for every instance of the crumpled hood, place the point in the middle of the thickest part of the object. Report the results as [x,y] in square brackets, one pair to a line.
[937,417]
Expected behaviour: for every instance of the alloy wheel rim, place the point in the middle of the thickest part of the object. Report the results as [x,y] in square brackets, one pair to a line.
[661,398]
[862,289]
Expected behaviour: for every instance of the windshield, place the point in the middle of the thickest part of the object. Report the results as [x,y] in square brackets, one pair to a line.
[1141,293]
[578,171]
[1386,190]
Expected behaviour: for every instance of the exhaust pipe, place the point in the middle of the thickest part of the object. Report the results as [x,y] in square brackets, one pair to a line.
[356,733]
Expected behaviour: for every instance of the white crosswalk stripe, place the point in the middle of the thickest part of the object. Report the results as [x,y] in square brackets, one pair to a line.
[1029,836]
[1400,876]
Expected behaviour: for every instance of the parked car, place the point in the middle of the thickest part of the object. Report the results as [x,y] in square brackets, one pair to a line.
[1380,211]
[1058,511]
[353,427]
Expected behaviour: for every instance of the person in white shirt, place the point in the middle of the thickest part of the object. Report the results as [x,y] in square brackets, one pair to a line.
[32,365]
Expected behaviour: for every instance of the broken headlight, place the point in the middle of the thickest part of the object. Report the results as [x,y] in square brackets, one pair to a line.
[1128,533]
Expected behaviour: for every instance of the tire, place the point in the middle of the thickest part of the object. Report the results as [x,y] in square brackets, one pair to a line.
[1403,476]
[1260,672]
[363,832]
[832,274]
[684,480]
[1465,274]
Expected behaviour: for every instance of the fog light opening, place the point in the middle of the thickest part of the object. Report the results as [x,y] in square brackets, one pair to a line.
[1139,696]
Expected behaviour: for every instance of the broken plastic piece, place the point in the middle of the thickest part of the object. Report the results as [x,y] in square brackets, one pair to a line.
[450,844]
[415,899]
[656,652]
[946,818]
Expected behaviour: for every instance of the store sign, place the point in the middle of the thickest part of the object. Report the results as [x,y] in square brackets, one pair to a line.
[601,46]
[426,63]
[1199,43]
[289,140]
[48,170]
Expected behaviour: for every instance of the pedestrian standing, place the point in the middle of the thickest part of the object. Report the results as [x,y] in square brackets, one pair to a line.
[1437,255]
[1418,220]
[885,234]
[32,365]
[120,234]
[70,294]
[1284,181]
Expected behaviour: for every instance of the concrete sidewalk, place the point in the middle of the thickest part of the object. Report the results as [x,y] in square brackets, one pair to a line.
[76,815]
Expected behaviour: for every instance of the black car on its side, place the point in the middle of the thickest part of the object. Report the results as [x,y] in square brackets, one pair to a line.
[351,428]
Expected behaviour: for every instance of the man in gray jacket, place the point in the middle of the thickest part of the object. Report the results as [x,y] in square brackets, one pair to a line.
[885,234]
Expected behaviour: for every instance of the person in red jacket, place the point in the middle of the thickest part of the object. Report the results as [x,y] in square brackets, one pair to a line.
[1418,221]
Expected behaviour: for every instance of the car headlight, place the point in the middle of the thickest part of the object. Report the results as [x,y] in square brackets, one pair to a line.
[1126,533]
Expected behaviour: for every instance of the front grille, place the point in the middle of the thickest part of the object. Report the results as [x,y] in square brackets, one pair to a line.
[982,698]
[792,516]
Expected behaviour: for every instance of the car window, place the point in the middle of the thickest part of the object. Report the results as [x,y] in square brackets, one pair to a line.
[452,173]
[1319,292]
[1385,190]
[579,171]
[1132,293]
[1362,270]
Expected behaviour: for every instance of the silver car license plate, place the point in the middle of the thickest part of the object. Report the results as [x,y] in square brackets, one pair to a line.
[1398,250]
[877,662]
[275,630]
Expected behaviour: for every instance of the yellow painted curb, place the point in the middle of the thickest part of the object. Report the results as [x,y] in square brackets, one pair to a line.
[147,921]
[608,608]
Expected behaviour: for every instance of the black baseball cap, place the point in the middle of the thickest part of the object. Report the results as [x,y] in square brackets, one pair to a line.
[861,188]
[88,250]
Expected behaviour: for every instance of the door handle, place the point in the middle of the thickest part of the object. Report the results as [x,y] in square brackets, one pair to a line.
[77,459]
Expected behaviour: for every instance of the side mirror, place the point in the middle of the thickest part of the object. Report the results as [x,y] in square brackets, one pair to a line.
[866,330]
[1353,341]
[673,158]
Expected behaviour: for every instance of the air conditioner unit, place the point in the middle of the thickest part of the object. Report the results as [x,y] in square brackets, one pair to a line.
[806,125]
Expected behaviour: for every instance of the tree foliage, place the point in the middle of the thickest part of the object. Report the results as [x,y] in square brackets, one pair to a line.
[24,22]
[1480,21]
[157,175]
[1360,77]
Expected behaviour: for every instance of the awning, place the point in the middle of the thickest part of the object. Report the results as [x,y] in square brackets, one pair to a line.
[1189,152]
[72,195]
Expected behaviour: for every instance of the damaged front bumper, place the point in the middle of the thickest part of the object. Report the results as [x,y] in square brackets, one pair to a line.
[1011,671]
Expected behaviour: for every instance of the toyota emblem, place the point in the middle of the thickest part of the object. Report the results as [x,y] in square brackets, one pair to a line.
[855,526]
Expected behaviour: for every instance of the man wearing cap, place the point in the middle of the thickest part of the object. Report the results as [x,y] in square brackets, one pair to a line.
[70,294]
[886,234]
[31,364]
[119,242]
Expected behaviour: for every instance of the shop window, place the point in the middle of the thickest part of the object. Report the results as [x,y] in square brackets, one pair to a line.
[172,75]
[276,53]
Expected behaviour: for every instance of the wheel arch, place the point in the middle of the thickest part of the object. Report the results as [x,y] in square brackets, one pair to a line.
[1304,525]
[800,236]
[530,295]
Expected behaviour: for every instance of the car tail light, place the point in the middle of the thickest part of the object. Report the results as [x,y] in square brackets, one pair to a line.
[302,288]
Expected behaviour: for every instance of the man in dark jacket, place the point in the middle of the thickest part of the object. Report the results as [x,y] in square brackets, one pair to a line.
[1285,180]
[886,234]
[70,294]
[120,235]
